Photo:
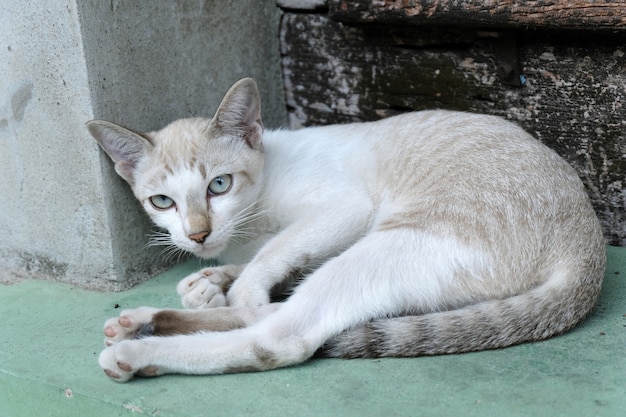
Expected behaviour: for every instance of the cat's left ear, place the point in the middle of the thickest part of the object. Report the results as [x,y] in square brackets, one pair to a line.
[239,114]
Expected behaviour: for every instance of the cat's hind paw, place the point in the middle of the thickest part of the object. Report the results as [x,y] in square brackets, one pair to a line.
[204,289]
[131,324]
[121,362]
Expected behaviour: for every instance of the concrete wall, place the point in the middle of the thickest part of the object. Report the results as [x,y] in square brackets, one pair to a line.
[64,214]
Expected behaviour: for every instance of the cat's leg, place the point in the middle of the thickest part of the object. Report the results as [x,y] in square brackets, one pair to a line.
[207,288]
[199,354]
[303,245]
[384,274]
[149,321]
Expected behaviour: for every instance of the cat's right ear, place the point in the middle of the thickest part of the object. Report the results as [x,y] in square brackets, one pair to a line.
[123,146]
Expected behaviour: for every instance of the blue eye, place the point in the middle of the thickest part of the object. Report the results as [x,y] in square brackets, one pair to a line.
[221,184]
[161,202]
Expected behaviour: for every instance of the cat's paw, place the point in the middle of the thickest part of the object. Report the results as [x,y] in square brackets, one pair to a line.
[204,289]
[247,294]
[131,324]
[124,360]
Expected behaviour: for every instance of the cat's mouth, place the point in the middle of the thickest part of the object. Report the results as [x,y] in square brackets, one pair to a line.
[207,249]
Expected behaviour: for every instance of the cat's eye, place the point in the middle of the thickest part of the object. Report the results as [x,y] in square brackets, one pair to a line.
[221,184]
[161,202]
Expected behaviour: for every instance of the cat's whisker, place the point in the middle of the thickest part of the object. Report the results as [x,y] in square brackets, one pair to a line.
[242,222]
[244,233]
[248,212]
[159,238]
[239,238]
[170,251]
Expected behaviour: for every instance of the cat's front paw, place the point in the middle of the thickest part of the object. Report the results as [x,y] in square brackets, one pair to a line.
[131,324]
[247,294]
[205,288]
[122,361]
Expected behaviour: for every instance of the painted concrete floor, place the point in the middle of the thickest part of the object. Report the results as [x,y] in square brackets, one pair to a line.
[50,336]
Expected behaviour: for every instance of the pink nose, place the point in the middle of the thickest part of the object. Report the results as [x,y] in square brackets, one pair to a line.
[199,237]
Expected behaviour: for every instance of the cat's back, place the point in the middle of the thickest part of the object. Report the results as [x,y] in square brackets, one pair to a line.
[484,180]
[445,152]
[454,138]
[430,155]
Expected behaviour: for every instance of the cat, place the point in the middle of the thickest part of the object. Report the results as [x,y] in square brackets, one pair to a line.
[425,233]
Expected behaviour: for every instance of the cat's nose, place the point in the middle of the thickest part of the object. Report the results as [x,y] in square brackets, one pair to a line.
[199,237]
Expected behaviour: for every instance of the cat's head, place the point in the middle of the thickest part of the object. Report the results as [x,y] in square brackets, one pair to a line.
[196,178]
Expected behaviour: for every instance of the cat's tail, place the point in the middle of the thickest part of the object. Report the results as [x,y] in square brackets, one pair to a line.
[547,310]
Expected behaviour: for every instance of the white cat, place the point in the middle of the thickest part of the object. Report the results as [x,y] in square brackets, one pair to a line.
[426,233]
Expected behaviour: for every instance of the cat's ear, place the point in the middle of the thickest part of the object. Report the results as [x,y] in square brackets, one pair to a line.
[123,146]
[239,114]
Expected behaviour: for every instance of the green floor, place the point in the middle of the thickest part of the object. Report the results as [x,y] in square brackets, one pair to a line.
[50,337]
